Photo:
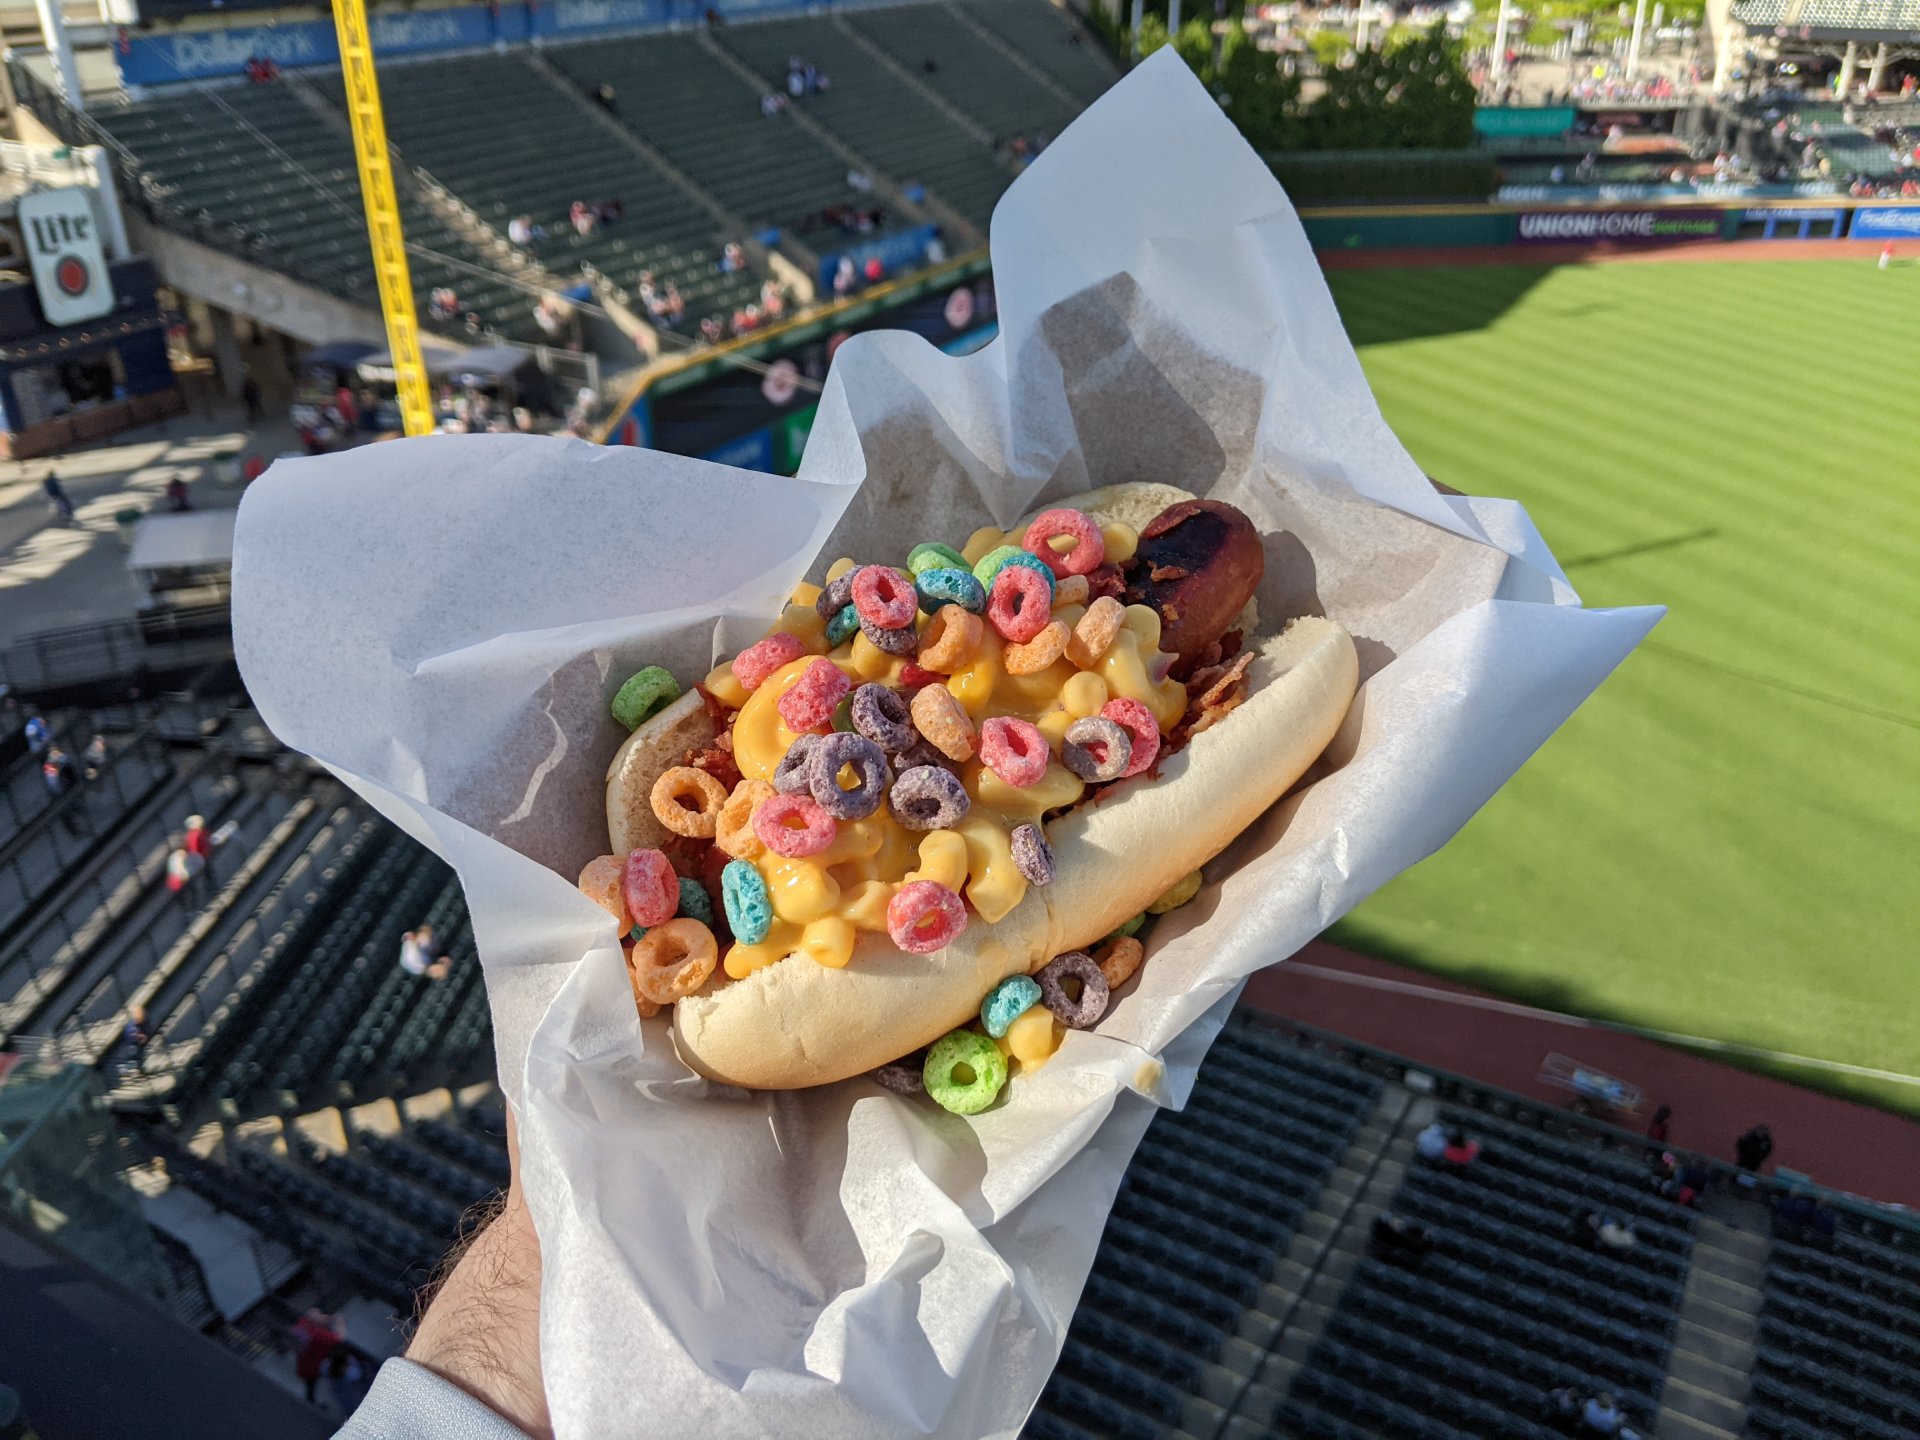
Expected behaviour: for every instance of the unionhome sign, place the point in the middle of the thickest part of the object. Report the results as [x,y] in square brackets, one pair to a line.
[63,247]
[1574,226]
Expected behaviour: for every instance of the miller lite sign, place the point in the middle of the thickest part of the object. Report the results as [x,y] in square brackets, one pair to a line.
[63,246]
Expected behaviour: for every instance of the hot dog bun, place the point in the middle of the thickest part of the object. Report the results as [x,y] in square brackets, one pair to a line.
[792,1025]
[653,749]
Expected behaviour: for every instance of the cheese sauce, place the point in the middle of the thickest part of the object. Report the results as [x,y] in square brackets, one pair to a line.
[821,902]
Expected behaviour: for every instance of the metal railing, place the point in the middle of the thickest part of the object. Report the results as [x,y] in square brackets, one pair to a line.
[81,654]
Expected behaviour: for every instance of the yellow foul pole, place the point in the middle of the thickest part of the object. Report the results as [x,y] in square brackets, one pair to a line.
[383,214]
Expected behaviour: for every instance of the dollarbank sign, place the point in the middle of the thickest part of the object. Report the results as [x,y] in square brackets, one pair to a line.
[63,246]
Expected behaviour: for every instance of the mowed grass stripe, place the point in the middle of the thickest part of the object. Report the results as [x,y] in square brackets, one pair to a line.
[1699,849]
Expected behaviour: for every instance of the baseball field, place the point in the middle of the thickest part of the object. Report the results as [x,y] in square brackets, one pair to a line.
[1725,841]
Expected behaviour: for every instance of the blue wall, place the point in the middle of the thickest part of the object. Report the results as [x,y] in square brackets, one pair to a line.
[200,54]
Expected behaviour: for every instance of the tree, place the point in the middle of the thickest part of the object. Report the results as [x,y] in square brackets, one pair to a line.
[1410,96]
[1263,102]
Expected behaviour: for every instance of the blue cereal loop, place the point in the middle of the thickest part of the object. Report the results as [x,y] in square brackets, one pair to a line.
[843,626]
[695,903]
[949,586]
[1007,1002]
[744,895]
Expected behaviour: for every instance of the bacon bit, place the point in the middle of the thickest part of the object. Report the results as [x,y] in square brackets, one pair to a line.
[709,876]
[718,762]
[1221,689]
[717,711]
[1107,580]
[685,854]
[1168,572]
[1217,653]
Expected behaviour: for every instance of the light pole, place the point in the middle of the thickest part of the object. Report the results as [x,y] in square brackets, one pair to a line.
[1499,68]
[1633,46]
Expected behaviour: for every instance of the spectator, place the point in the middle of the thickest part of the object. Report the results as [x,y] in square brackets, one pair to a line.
[1753,1148]
[348,1380]
[1405,1242]
[250,397]
[197,842]
[135,1030]
[1564,1404]
[773,103]
[1693,1177]
[93,759]
[57,495]
[442,304]
[1602,1416]
[183,868]
[523,232]
[732,258]
[1431,1143]
[37,732]
[859,180]
[603,96]
[1461,1151]
[796,82]
[316,1335]
[1615,1236]
[581,214]
[1657,1127]
[60,775]
[930,66]
[873,271]
[610,211]
[178,495]
[416,954]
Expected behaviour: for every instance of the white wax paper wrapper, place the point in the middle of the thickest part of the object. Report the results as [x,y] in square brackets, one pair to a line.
[443,620]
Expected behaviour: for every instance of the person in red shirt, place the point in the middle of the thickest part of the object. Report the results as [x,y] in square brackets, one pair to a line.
[1461,1151]
[197,841]
[318,1335]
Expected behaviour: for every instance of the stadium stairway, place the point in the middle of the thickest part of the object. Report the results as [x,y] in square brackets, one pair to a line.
[971,72]
[1714,1343]
[1010,54]
[1044,35]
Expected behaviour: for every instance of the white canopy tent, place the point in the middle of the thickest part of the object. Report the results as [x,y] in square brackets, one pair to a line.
[195,540]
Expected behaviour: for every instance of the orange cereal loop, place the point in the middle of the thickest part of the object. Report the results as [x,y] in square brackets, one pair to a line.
[1095,633]
[951,640]
[1118,959]
[943,721]
[600,883]
[647,1008]
[1071,590]
[673,960]
[687,801]
[733,828]
[1038,653]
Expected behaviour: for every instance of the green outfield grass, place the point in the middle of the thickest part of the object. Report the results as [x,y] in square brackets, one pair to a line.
[1725,841]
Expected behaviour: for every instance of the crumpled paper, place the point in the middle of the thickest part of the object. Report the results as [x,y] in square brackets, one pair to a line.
[441,621]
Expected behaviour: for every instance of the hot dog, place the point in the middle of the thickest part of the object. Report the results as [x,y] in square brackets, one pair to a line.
[1031,699]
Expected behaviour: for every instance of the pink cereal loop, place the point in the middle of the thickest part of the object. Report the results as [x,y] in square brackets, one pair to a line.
[814,833]
[1093,636]
[1134,718]
[1014,749]
[943,721]
[925,916]
[1089,549]
[808,704]
[1020,604]
[883,599]
[1038,653]
[754,664]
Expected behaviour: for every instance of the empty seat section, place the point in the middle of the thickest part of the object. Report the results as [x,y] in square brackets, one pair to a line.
[1044,35]
[969,73]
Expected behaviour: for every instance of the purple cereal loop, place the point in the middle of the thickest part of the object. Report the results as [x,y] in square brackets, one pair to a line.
[1074,1014]
[922,752]
[902,1076]
[837,596]
[869,763]
[882,716]
[1032,855]
[790,775]
[1076,751]
[904,641]
[928,798]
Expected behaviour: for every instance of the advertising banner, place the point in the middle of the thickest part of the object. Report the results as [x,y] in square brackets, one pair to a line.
[1886,222]
[63,247]
[1506,121]
[199,54]
[1574,227]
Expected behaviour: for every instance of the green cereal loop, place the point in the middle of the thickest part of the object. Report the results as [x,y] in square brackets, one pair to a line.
[932,555]
[843,714]
[646,693]
[695,903]
[638,933]
[978,1053]
[991,562]
[1132,927]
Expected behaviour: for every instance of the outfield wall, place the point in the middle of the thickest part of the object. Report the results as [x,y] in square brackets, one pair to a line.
[1428,227]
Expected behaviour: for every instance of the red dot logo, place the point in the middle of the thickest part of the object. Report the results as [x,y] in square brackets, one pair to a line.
[70,273]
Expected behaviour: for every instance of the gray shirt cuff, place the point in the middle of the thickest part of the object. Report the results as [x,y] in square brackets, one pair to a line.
[409,1402]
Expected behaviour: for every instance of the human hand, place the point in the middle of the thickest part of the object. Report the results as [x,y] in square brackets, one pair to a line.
[481,1329]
